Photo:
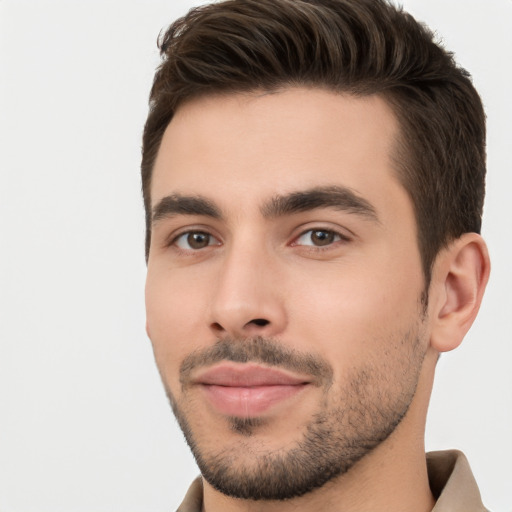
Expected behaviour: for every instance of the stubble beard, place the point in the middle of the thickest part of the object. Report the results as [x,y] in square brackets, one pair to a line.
[369,405]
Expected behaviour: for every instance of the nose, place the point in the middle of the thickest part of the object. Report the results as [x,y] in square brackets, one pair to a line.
[248,297]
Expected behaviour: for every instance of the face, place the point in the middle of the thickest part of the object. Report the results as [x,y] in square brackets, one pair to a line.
[283,288]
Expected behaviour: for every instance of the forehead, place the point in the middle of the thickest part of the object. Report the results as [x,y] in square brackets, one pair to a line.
[242,148]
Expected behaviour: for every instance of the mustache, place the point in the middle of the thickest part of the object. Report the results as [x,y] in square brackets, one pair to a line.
[257,350]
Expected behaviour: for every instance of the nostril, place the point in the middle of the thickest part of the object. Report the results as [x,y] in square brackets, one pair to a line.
[261,322]
[234,330]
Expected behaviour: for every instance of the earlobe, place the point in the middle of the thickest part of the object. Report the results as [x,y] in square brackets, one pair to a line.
[460,276]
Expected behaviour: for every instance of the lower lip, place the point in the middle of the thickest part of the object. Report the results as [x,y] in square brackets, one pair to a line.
[249,402]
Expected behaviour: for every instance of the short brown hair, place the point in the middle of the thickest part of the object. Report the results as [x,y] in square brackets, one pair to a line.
[359,47]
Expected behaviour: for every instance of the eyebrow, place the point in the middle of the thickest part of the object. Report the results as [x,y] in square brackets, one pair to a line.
[177,204]
[339,198]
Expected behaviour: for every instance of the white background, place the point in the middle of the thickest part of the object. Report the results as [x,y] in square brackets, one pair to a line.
[84,423]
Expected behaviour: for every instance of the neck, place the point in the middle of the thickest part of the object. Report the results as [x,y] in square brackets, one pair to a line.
[391,478]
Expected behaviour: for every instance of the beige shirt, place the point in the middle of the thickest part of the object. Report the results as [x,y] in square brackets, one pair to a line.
[450,477]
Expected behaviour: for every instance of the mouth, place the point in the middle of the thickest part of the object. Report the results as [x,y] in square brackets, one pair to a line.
[248,390]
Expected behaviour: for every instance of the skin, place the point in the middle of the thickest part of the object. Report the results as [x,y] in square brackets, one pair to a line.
[353,301]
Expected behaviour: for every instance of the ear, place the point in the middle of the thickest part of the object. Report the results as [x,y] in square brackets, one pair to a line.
[459,278]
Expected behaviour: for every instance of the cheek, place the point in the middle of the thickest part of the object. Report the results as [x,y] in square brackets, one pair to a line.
[172,318]
[354,309]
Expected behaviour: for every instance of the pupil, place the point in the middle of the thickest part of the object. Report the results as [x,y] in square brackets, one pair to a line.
[198,240]
[322,237]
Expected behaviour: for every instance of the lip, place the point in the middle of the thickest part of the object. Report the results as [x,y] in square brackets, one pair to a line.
[248,390]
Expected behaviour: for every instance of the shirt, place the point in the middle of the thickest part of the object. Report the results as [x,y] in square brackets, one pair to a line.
[450,479]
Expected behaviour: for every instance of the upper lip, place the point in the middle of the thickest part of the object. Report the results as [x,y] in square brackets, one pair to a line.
[247,375]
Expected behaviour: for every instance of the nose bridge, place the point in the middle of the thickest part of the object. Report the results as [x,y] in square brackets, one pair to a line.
[246,299]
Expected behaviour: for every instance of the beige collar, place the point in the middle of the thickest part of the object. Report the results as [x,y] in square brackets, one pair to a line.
[452,483]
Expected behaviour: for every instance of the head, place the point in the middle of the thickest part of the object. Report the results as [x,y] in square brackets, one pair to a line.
[312,171]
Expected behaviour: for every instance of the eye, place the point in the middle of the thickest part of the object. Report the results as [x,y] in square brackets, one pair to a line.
[319,237]
[195,240]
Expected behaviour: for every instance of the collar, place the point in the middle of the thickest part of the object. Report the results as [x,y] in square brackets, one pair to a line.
[452,483]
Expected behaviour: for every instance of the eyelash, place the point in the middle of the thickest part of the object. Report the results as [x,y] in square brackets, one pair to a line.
[335,236]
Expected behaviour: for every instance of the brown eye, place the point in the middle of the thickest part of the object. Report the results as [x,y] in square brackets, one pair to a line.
[322,237]
[198,240]
[195,240]
[319,238]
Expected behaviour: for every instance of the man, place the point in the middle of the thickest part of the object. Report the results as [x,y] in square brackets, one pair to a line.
[313,176]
